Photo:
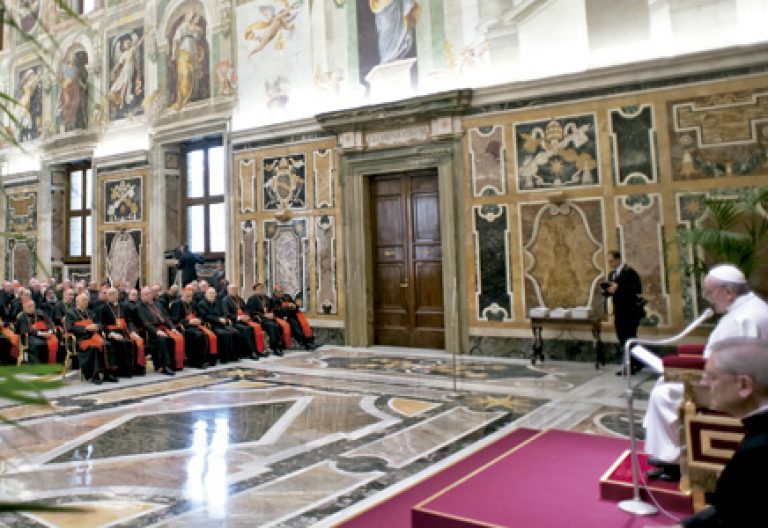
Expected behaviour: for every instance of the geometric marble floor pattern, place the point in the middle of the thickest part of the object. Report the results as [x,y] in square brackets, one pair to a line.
[303,440]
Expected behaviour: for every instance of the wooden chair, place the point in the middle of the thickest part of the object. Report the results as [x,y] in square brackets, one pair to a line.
[70,348]
[709,437]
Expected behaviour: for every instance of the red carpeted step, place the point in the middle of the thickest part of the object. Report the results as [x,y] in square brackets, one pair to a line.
[551,480]
[616,485]
[395,512]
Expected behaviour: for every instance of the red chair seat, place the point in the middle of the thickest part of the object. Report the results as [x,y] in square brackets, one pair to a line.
[685,362]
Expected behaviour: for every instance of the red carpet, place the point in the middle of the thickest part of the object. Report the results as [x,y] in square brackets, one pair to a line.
[395,512]
[553,480]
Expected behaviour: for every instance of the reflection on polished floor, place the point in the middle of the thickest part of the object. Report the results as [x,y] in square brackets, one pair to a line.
[304,440]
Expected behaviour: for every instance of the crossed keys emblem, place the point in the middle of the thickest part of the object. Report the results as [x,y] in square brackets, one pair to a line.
[285,183]
[121,196]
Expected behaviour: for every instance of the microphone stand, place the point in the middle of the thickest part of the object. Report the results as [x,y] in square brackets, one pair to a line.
[635,505]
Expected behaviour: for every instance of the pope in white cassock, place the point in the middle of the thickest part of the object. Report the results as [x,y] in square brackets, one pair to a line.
[745,315]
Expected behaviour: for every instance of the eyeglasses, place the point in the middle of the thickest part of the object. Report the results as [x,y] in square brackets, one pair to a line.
[710,376]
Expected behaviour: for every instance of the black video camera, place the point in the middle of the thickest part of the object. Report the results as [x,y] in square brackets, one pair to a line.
[604,286]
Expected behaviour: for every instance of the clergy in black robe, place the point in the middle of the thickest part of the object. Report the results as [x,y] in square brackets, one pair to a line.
[210,312]
[158,339]
[284,307]
[91,350]
[36,329]
[112,320]
[200,343]
[231,305]
[256,308]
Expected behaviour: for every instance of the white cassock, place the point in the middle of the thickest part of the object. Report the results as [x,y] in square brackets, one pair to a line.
[746,317]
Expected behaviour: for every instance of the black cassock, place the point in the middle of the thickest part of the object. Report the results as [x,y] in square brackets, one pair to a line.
[211,314]
[196,345]
[91,349]
[122,348]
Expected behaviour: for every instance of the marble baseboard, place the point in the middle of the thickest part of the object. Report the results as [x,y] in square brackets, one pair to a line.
[558,349]
[328,336]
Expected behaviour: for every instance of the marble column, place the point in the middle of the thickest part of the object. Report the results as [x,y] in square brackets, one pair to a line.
[156,243]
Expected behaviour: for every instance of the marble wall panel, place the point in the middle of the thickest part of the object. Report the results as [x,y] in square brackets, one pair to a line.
[21,212]
[717,135]
[486,155]
[323,170]
[247,181]
[562,248]
[249,268]
[639,217]
[284,182]
[173,212]
[492,262]
[123,250]
[558,152]
[286,253]
[57,225]
[20,259]
[633,145]
[325,265]
[123,200]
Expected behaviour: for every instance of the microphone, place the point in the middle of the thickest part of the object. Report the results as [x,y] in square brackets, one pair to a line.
[636,505]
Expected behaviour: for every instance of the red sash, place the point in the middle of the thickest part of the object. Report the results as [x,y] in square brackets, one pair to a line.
[304,324]
[302,321]
[13,339]
[94,341]
[258,333]
[286,331]
[53,343]
[213,344]
[178,346]
[120,324]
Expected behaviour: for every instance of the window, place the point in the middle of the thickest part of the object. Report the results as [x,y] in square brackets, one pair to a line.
[79,218]
[204,184]
[83,7]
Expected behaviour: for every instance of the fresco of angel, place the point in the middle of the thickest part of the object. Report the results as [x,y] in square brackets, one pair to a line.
[126,88]
[275,21]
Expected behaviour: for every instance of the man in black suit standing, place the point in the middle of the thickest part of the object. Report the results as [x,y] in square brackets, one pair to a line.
[624,288]
[188,262]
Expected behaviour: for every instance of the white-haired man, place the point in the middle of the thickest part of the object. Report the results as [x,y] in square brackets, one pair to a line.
[744,315]
[736,375]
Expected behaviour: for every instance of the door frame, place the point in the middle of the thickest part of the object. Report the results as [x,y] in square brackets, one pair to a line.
[356,168]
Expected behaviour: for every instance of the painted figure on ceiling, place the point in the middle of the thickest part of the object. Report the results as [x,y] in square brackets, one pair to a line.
[73,94]
[126,90]
[189,77]
[395,20]
[274,22]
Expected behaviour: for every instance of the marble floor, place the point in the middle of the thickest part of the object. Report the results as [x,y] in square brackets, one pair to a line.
[304,440]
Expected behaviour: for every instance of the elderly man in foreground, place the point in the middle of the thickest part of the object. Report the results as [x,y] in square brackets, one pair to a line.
[744,315]
[736,375]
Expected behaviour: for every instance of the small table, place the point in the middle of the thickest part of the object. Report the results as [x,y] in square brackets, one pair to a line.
[566,323]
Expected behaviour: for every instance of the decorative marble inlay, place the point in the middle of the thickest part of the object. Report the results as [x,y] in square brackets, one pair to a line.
[247,423]
[249,273]
[102,513]
[285,257]
[284,182]
[487,154]
[639,216]
[247,180]
[633,145]
[409,408]
[123,250]
[323,171]
[415,442]
[724,134]
[20,259]
[325,266]
[21,214]
[123,200]
[561,253]
[559,152]
[492,262]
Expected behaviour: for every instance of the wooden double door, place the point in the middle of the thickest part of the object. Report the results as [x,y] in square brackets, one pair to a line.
[408,306]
